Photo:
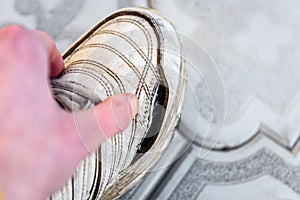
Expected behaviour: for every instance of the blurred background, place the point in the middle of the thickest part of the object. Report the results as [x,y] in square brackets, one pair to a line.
[238,137]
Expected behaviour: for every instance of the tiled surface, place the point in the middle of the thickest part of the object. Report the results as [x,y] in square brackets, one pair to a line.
[253,46]
[241,109]
[247,137]
[64,20]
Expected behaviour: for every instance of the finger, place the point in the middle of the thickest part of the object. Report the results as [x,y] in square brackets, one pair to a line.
[94,126]
[55,59]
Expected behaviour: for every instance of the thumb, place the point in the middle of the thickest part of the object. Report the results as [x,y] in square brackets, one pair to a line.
[92,127]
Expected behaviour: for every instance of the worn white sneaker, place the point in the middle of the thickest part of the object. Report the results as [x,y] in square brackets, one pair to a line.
[135,50]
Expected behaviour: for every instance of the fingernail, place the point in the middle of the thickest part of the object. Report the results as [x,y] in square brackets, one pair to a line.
[134,104]
[124,107]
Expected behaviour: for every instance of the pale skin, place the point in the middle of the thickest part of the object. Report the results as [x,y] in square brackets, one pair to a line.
[41,144]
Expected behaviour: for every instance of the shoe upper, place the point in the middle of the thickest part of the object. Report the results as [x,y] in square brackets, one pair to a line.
[135,51]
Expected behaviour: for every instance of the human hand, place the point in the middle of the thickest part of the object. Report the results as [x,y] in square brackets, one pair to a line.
[40,144]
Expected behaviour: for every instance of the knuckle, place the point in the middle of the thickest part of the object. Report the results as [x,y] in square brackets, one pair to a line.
[15,35]
[14,29]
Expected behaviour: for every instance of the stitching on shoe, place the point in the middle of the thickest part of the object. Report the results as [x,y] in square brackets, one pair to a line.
[102,67]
